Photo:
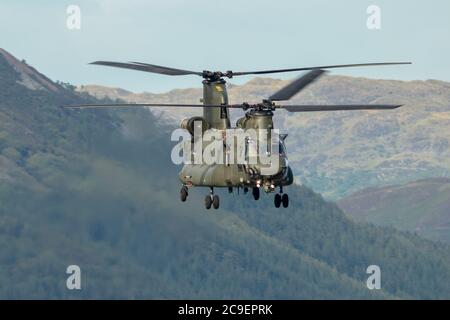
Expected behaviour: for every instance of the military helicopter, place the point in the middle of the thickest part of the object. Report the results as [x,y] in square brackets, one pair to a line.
[257,116]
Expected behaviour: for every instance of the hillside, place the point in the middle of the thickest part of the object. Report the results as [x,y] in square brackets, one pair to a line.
[421,206]
[96,188]
[358,149]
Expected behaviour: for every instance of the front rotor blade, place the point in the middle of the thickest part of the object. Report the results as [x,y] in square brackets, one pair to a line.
[147,68]
[311,108]
[321,67]
[296,86]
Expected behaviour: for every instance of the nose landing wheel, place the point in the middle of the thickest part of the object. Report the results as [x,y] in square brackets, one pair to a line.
[208,202]
[255,192]
[184,193]
[277,200]
[281,199]
[212,200]
[215,201]
[285,200]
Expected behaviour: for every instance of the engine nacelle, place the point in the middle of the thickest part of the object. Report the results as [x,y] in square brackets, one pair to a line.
[190,123]
[256,119]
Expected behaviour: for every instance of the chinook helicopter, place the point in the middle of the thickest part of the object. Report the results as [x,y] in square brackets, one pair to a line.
[257,116]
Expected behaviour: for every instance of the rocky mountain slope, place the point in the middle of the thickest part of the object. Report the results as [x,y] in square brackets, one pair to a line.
[421,206]
[338,153]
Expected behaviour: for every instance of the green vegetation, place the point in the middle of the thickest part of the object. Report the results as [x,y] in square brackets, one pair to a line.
[421,206]
[98,189]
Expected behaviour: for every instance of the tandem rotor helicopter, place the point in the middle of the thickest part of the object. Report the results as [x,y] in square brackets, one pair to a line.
[257,116]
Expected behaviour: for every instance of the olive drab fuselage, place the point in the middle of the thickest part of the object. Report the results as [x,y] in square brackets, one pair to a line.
[232,175]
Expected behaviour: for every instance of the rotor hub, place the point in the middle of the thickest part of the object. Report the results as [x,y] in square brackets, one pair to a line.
[214,75]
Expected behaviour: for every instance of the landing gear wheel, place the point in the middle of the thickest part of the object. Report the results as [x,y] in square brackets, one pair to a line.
[277,200]
[285,200]
[245,190]
[215,201]
[208,202]
[255,192]
[183,193]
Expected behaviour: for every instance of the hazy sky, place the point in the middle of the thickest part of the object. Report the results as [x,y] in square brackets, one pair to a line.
[222,35]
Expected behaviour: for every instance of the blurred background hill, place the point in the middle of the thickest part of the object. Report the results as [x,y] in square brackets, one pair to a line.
[97,188]
[420,206]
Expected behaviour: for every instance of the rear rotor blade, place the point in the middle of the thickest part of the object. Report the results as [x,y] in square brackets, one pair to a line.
[147,68]
[137,105]
[290,108]
[296,86]
[311,108]
[321,67]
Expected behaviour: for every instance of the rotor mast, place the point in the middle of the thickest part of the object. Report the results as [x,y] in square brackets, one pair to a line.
[215,93]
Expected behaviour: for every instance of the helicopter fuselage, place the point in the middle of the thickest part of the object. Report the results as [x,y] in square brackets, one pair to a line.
[234,175]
